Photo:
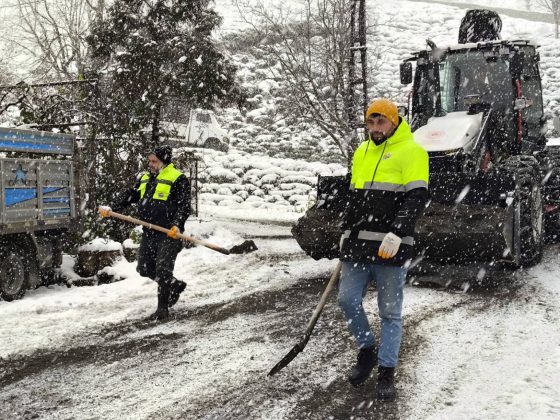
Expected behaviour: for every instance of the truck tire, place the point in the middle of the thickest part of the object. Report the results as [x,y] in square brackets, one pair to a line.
[528,210]
[216,144]
[13,272]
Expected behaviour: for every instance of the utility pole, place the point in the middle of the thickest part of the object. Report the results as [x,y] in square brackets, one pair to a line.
[357,100]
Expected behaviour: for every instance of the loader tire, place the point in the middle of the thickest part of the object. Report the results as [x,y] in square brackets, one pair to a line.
[528,210]
[13,272]
[318,233]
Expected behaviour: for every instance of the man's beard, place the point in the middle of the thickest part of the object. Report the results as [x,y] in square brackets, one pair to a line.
[378,137]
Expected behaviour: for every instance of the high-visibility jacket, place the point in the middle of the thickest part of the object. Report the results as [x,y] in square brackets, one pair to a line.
[163,200]
[388,192]
[165,179]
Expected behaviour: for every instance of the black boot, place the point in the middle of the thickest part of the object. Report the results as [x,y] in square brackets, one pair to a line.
[386,390]
[367,359]
[162,311]
[177,287]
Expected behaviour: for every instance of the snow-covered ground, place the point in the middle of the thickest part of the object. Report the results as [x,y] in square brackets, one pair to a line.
[47,317]
[497,359]
[468,353]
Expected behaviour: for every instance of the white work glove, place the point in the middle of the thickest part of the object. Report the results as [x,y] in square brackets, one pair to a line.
[390,246]
[104,211]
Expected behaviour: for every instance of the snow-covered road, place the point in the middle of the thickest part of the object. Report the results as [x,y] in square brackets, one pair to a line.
[89,352]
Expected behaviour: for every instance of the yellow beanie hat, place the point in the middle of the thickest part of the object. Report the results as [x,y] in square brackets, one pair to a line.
[386,108]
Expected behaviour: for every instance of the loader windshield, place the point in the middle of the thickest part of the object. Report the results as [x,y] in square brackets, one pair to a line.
[466,74]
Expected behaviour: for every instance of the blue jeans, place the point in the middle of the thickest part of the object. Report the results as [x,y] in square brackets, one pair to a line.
[389,280]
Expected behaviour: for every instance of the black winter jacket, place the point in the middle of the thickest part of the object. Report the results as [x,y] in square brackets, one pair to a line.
[172,212]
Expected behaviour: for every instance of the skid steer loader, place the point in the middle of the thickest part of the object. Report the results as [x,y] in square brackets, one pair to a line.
[494,184]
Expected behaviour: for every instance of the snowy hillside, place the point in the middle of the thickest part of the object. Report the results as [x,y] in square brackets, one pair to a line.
[525,5]
[486,346]
[241,181]
[236,180]
[402,27]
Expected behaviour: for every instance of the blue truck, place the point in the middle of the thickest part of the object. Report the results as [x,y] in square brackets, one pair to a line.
[38,206]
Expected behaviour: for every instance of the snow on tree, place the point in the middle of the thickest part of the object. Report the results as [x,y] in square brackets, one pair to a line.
[147,53]
[153,51]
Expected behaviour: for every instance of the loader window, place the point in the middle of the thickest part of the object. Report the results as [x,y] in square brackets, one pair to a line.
[424,99]
[450,79]
[465,74]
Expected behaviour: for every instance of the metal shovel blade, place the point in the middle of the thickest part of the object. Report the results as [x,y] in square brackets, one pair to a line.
[243,248]
[297,349]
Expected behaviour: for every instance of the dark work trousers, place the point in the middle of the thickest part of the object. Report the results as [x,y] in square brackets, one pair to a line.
[156,257]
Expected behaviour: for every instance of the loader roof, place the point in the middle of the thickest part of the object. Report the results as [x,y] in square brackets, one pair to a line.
[486,45]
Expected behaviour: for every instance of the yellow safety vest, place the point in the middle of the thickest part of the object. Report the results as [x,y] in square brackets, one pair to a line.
[398,165]
[165,180]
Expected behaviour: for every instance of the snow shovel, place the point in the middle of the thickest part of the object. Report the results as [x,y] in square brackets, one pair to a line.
[245,247]
[298,348]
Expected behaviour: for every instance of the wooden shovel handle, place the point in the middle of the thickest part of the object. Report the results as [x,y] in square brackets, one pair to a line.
[164,230]
[298,348]
[317,312]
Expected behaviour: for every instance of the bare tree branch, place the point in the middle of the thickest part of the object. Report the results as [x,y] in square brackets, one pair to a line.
[552,6]
[308,50]
[53,33]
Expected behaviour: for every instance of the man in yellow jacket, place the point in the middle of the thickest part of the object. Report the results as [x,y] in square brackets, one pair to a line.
[388,193]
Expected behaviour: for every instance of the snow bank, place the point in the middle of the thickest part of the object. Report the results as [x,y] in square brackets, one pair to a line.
[242,181]
[101,244]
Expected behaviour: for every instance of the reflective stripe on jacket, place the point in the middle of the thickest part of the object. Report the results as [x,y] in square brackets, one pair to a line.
[163,200]
[388,192]
[165,180]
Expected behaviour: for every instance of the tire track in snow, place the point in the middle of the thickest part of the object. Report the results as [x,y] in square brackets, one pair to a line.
[481,349]
[211,360]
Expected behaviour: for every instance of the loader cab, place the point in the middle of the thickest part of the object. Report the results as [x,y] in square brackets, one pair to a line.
[497,76]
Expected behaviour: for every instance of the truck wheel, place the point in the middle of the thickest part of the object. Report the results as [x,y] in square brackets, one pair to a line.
[13,273]
[216,144]
[528,214]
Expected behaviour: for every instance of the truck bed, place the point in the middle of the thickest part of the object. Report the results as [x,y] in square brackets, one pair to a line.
[37,190]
